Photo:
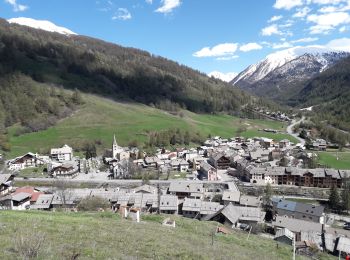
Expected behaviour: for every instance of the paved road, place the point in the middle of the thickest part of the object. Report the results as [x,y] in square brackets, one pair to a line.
[290,130]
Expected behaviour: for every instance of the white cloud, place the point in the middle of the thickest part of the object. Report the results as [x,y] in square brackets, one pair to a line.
[309,39]
[226,58]
[270,30]
[250,47]
[302,12]
[122,14]
[324,23]
[227,77]
[149,2]
[17,7]
[220,50]
[342,44]
[275,18]
[168,6]
[343,29]
[282,45]
[287,4]
[325,2]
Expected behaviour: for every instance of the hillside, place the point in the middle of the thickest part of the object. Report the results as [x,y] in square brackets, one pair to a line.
[99,118]
[329,93]
[98,67]
[106,236]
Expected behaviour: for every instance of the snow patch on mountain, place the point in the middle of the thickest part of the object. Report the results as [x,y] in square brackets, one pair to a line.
[227,77]
[41,24]
[254,73]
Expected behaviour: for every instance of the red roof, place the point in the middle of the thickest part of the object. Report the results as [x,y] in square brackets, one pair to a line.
[34,194]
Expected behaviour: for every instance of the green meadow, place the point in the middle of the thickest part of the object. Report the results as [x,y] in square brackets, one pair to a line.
[100,118]
[337,160]
[107,236]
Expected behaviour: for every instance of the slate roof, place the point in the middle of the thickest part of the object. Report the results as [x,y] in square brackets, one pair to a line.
[5,178]
[21,196]
[251,201]
[43,202]
[208,208]
[284,232]
[297,225]
[192,205]
[231,196]
[300,207]
[168,202]
[186,187]
[344,244]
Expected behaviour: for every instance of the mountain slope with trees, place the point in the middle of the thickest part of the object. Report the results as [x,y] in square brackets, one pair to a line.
[106,69]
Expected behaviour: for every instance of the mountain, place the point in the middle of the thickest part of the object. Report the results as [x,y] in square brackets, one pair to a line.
[227,77]
[329,94]
[280,75]
[41,24]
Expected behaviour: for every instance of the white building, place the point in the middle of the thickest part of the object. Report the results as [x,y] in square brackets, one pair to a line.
[118,152]
[62,154]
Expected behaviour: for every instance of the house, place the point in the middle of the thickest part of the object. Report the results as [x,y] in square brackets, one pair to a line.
[343,245]
[250,201]
[284,143]
[191,208]
[186,189]
[231,197]
[231,215]
[21,201]
[168,204]
[6,183]
[296,225]
[63,170]
[34,193]
[153,162]
[298,210]
[25,161]
[209,208]
[44,202]
[179,165]
[219,161]
[208,172]
[319,145]
[284,235]
[64,153]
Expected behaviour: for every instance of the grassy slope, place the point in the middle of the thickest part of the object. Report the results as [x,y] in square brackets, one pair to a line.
[100,118]
[106,236]
[330,159]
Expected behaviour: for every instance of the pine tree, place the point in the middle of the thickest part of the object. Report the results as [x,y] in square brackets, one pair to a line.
[187,138]
[345,196]
[268,193]
[334,199]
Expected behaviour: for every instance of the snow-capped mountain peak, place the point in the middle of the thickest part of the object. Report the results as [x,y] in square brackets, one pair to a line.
[257,72]
[41,24]
[227,77]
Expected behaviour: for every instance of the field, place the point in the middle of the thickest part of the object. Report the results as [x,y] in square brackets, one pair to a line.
[107,236]
[329,159]
[100,118]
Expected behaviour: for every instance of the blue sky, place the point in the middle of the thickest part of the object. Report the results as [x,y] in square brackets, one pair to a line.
[208,35]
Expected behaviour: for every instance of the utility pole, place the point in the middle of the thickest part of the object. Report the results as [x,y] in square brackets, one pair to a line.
[294,247]
[158,190]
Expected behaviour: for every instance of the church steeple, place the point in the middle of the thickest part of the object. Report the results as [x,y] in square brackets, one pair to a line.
[114,141]
[115,148]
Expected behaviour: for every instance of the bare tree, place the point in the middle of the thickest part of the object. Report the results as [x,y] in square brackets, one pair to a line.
[63,191]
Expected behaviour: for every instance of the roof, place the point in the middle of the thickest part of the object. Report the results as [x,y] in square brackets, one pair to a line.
[238,213]
[21,196]
[208,207]
[192,205]
[250,201]
[296,225]
[206,166]
[168,202]
[284,232]
[233,196]
[43,202]
[300,207]
[186,187]
[62,150]
[5,178]
[34,194]
[146,189]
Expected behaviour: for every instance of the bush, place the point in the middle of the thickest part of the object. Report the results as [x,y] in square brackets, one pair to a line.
[93,204]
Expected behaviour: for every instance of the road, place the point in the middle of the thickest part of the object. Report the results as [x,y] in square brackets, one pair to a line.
[290,130]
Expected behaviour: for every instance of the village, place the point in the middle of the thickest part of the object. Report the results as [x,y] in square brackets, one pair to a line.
[230,181]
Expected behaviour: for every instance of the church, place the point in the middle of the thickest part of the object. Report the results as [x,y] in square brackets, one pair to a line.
[118,152]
